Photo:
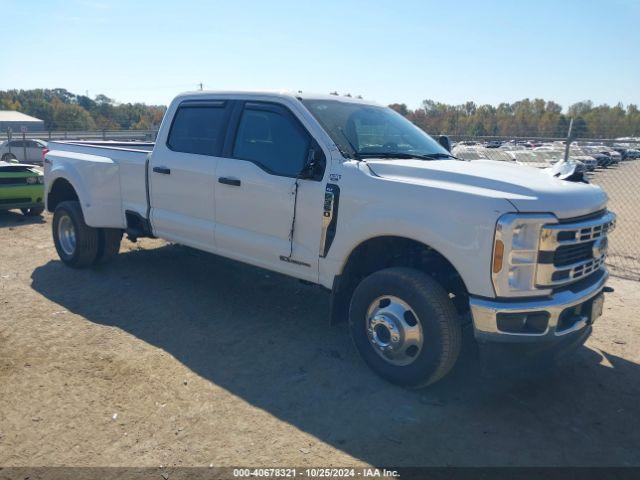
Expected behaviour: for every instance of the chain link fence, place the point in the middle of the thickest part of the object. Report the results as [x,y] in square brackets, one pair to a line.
[104,135]
[621,181]
[622,184]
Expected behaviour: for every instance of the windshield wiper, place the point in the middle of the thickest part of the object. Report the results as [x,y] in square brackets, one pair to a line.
[403,155]
[437,155]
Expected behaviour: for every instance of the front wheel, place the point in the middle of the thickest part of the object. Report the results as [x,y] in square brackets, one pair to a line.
[405,326]
[75,241]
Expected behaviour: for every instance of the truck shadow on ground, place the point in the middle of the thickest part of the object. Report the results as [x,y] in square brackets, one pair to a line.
[266,338]
[15,218]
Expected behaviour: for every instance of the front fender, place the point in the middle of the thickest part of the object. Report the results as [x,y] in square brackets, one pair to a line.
[463,237]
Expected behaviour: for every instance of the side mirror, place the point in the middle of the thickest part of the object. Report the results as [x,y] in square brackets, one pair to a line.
[444,142]
[312,165]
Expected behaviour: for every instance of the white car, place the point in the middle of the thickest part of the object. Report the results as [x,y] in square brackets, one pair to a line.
[555,153]
[24,151]
[349,195]
[614,154]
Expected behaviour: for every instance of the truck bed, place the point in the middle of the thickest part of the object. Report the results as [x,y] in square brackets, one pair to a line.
[108,144]
[109,175]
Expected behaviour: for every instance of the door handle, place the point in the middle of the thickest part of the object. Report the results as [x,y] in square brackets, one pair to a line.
[163,170]
[229,181]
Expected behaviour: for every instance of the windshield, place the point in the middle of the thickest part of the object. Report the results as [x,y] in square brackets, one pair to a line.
[369,131]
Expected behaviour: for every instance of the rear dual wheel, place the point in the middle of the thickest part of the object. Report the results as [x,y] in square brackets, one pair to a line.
[79,245]
[108,244]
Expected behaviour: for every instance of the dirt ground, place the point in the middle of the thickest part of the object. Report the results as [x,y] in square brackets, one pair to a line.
[168,356]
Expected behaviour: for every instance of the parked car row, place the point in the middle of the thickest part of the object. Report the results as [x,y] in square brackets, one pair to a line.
[628,153]
[542,155]
[605,156]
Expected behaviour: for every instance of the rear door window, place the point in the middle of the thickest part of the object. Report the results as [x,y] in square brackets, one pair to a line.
[198,129]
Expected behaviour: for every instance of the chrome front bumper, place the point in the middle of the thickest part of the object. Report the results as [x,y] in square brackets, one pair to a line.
[485,314]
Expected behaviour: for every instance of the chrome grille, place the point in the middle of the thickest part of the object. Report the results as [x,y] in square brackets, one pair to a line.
[13,181]
[9,201]
[573,250]
[591,233]
[568,254]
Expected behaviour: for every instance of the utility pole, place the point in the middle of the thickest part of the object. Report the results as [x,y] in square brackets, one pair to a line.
[568,141]
[200,85]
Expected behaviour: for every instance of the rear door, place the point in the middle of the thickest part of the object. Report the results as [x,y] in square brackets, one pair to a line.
[182,173]
[256,192]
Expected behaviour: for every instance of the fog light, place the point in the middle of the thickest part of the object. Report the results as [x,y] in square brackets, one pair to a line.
[531,322]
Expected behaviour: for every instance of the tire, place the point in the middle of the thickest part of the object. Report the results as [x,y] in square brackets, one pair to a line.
[108,244]
[7,157]
[32,212]
[430,312]
[82,251]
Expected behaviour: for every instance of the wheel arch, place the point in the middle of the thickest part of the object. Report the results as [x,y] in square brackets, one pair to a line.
[385,251]
[61,190]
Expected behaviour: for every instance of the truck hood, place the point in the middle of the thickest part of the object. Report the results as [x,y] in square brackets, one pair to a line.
[7,167]
[528,189]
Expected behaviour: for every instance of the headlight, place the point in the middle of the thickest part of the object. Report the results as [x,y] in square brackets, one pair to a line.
[515,254]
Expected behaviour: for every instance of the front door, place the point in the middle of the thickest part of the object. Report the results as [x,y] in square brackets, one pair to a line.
[182,174]
[34,152]
[256,193]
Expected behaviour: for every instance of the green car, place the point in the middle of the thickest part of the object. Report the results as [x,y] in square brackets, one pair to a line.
[21,186]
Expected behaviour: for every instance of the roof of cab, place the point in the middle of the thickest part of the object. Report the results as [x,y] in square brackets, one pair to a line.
[275,94]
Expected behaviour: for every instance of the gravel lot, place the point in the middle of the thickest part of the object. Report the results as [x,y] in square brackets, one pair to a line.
[168,356]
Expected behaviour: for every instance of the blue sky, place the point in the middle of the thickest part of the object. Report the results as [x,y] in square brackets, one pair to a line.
[389,51]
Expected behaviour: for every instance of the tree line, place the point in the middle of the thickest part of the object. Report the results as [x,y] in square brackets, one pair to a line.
[525,118]
[63,110]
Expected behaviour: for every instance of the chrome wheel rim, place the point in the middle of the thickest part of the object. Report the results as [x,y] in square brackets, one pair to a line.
[394,331]
[67,235]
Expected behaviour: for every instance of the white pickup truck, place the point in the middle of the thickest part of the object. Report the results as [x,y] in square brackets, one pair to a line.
[346,194]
